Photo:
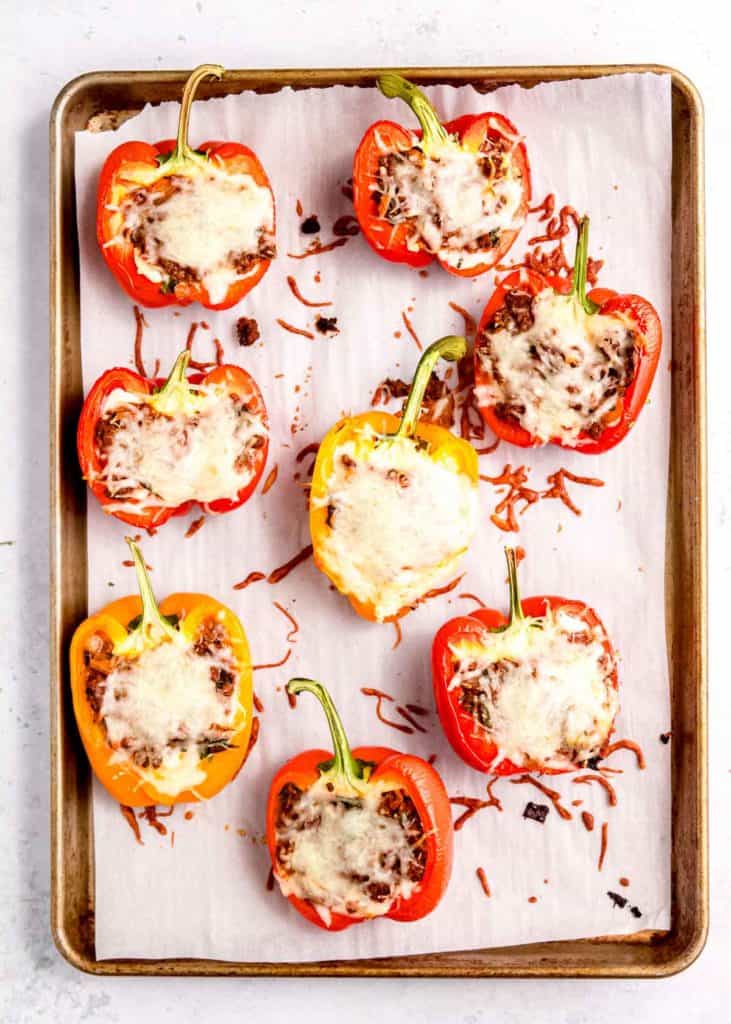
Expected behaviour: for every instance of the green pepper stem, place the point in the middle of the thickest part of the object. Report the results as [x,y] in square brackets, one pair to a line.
[176,382]
[153,621]
[516,610]
[182,149]
[345,766]
[581,260]
[394,86]
[451,347]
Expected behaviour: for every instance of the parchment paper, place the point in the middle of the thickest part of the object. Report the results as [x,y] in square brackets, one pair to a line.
[603,146]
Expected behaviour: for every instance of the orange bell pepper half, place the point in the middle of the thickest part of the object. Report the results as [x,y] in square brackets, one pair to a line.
[374,431]
[141,173]
[349,776]
[120,634]
[470,133]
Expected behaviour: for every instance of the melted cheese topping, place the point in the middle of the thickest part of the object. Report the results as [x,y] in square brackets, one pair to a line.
[546,690]
[452,203]
[400,521]
[208,219]
[162,710]
[562,374]
[202,454]
[347,847]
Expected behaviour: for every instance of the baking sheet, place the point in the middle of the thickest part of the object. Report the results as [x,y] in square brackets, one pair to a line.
[205,896]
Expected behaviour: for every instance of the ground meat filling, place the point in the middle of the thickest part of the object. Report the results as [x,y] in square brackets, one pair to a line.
[553,370]
[349,855]
[516,315]
[475,701]
[236,246]
[173,703]
[247,331]
[437,407]
[452,199]
[541,693]
[99,661]
[212,642]
[208,454]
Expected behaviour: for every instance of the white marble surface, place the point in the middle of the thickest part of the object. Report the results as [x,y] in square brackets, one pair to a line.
[42,45]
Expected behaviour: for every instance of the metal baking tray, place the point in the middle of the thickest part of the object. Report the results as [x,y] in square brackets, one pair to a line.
[109,97]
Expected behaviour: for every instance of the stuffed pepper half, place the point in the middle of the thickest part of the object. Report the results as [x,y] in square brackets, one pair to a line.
[456,192]
[555,365]
[162,695]
[537,691]
[178,225]
[393,505]
[150,448]
[358,835]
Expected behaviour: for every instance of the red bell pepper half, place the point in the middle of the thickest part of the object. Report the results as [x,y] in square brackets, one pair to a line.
[171,397]
[471,734]
[631,309]
[489,133]
[138,170]
[407,790]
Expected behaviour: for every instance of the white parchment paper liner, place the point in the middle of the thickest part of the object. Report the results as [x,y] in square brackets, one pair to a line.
[605,147]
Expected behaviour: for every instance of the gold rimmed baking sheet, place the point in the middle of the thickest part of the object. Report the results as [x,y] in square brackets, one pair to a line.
[107,98]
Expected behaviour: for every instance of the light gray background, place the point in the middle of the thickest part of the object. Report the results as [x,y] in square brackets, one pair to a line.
[41,47]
